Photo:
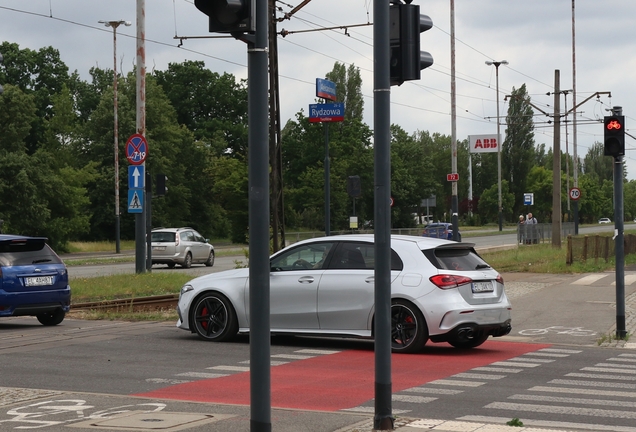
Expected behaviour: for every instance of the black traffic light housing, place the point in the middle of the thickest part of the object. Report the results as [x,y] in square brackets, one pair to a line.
[614,127]
[161,184]
[406,24]
[1,61]
[229,16]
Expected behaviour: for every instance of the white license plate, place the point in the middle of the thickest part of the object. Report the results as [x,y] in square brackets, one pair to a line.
[482,287]
[39,281]
[159,248]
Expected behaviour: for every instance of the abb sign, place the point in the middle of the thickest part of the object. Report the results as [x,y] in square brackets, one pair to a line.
[483,143]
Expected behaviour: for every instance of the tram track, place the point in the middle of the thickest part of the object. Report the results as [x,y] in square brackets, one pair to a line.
[137,304]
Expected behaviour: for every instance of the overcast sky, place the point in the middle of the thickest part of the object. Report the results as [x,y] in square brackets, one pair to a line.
[535,37]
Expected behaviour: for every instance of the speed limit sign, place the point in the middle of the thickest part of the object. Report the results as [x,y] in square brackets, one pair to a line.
[575,193]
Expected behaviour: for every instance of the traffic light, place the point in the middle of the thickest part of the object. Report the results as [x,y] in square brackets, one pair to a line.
[161,184]
[229,16]
[406,58]
[614,135]
[354,188]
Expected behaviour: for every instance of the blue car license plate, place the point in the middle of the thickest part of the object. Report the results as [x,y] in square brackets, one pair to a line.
[38,281]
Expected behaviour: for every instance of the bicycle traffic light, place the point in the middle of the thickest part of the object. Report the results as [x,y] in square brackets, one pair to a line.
[229,16]
[407,60]
[614,135]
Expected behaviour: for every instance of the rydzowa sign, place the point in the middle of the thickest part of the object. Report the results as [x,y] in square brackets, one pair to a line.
[333,112]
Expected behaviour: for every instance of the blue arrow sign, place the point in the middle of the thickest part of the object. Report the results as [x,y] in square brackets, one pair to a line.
[136,177]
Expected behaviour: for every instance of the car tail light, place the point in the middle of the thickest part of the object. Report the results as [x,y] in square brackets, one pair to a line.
[499,279]
[176,240]
[443,281]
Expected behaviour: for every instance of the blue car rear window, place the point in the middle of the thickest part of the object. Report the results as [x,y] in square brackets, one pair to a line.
[27,252]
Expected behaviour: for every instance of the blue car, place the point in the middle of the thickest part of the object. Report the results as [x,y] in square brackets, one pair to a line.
[33,280]
[443,230]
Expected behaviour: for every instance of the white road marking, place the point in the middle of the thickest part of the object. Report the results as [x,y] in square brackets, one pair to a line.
[531,360]
[546,354]
[597,376]
[609,370]
[231,368]
[594,392]
[555,409]
[315,351]
[201,375]
[549,424]
[515,364]
[493,369]
[559,350]
[412,399]
[593,384]
[478,376]
[580,401]
[589,279]
[429,390]
[457,383]
[293,356]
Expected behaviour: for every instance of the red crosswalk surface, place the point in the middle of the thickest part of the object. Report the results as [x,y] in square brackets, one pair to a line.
[343,380]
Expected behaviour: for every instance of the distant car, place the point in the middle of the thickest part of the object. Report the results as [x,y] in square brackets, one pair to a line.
[183,246]
[604,220]
[33,280]
[441,291]
[440,230]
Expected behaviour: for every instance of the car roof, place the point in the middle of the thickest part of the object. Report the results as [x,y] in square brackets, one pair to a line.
[171,229]
[422,242]
[12,237]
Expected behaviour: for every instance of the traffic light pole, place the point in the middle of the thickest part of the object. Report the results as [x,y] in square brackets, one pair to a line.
[621,332]
[383,419]
[258,178]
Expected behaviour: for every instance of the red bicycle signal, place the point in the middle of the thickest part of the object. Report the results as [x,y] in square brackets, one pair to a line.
[613,124]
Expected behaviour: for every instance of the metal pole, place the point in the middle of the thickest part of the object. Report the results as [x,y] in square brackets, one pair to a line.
[621,332]
[327,183]
[140,218]
[116,143]
[454,198]
[114,25]
[499,151]
[556,164]
[575,162]
[258,167]
[383,419]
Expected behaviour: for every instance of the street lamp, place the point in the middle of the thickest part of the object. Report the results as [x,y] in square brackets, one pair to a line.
[496,64]
[114,25]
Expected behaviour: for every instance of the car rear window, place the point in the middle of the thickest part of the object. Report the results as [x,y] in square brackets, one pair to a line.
[455,258]
[26,252]
[162,237]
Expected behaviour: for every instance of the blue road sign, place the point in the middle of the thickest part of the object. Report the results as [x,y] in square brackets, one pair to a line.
[528,199]
[136,177]
[135,200]
[332,112]
[325,89]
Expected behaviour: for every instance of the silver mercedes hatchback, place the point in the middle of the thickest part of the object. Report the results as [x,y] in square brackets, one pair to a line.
[441,291]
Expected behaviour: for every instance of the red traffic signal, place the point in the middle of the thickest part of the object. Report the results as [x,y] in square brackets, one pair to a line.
[614,135]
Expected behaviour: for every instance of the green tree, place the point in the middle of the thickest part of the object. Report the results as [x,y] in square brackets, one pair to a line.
[489,203]
[517,150]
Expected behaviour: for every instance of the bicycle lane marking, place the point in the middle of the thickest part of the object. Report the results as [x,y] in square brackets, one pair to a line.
[571,331]
[38,415]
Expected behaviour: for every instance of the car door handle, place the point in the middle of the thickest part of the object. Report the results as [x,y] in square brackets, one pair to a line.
[370,279]
[306,279]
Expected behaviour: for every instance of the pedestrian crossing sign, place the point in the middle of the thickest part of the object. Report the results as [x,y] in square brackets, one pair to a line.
[135,200]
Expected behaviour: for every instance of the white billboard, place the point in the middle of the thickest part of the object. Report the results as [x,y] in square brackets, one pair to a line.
[483,143]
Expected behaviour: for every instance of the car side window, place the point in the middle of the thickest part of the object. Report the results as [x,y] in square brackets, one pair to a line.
[198,237]
[304,257]
[356,256]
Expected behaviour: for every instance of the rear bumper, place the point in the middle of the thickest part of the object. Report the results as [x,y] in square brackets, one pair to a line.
[33,303]
[470,330]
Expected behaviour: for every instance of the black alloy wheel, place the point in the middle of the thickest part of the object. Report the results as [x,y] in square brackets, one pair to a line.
[213,318]
[409,331]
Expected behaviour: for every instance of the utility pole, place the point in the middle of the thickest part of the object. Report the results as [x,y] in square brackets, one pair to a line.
[275,152]
[454,199]
[140,218]
[556,165]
